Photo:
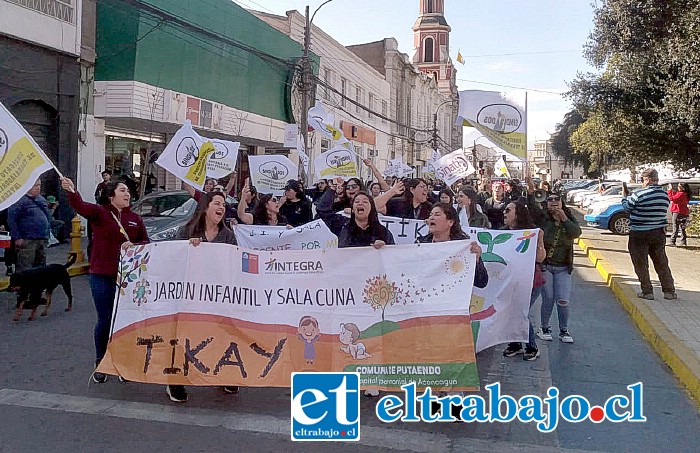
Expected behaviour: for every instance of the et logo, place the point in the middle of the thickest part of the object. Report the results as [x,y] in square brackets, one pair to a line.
[325,406]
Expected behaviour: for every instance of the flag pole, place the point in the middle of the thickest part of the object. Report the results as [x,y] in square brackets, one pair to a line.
[526,163]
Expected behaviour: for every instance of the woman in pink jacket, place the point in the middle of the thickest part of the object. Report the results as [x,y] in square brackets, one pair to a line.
[679,211]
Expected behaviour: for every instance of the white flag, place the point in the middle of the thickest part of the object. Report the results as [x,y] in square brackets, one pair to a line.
[270,173]
[500,167]
[322,122]
[435,156]
[398,168]
[223,161]
[336,162]
[500,119]
[21,160]
[453,167]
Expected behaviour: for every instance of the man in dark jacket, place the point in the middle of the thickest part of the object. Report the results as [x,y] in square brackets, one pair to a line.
[29,221]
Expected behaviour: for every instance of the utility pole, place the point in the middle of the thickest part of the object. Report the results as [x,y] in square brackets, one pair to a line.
[306,86]
[435,130]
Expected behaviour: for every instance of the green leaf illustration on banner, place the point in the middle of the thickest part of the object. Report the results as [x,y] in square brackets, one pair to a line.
[489,256]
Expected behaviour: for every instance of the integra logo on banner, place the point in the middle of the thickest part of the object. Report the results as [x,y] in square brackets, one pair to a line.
[501,118]
[250,263]
[273,266]
[326,406]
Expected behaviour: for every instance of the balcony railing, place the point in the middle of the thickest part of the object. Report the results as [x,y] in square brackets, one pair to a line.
[60,9]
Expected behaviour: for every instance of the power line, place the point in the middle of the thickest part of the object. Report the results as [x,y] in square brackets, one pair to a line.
[543,52]
[510,86]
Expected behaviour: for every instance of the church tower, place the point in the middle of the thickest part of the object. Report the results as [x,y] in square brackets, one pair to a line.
[431,39]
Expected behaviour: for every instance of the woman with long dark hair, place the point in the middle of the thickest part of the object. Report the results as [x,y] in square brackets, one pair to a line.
[468,212]
[265,212]
[560,230]
[364,229]
[207,224]
[413,204]
[516,216]
[114,228]
[345,193]
[679,211]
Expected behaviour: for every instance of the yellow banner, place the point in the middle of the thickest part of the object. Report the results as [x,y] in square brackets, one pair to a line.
[17,168]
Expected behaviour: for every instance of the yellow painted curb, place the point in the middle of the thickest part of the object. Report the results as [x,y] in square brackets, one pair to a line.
[681,359]
[73,271]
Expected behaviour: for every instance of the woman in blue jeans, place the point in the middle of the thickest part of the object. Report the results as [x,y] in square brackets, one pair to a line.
[560,230]
[516,216]
[114,228]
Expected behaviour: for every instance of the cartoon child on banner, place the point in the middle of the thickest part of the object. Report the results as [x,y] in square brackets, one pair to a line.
[309,333]
[349,334]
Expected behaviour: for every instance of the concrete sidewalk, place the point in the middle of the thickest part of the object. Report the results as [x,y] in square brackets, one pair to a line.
[672,327]
[55,254]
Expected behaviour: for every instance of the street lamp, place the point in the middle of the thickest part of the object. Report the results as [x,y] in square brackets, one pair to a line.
[435,130]
[306,76]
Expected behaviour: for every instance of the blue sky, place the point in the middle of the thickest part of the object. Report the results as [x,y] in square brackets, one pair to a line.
[534,44]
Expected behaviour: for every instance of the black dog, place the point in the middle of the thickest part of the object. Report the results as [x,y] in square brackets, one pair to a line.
[30,285]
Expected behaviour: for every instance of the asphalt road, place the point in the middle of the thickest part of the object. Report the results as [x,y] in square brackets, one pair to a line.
[47,401]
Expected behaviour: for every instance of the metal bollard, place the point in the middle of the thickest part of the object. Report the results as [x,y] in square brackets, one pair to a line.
[76,231]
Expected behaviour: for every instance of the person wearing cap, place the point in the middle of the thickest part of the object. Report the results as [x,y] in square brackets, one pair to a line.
[296,207]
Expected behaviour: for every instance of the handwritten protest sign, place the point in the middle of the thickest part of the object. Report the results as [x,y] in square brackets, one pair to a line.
[256,317]
[310,236]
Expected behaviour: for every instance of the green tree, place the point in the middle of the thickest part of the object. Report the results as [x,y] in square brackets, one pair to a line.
[645,102]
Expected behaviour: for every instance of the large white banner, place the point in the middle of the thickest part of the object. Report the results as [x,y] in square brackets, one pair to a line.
[255,317]
[192,158]
[398,168]
[311,236]
[21,160]
[499,312]
[500,119]
[270,173]
[453,167]
[336,162]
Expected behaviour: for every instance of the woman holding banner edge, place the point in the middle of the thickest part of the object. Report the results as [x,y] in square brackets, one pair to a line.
[206,225]
[114,228]
[364,230]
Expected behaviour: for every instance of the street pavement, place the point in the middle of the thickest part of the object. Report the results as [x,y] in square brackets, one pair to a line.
[672,327]
[49,403]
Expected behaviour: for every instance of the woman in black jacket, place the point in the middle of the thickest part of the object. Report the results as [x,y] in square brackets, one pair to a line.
[296,207]
[363,229]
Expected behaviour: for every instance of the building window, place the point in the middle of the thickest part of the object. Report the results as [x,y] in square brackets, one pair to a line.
[428,46]
[430,5]
[384,111]
[344,90]
[358,99]
[325,145]
[371,105]
[327,79]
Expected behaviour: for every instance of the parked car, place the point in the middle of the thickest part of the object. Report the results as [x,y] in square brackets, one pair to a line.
[611,192]
[163,213]
[594,191]
[609,215]
[571,193]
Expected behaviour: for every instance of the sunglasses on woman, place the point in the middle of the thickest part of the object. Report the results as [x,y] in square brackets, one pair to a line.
[553,199]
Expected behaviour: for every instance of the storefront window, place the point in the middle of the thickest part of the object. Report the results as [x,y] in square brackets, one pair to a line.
[125,156]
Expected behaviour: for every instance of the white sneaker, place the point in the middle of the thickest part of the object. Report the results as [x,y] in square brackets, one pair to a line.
[565,336]
[544,334]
